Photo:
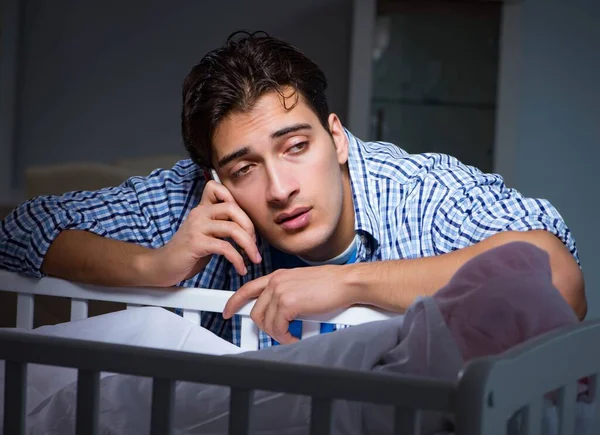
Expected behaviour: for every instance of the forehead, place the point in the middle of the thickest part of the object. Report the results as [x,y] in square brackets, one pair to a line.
[271,113]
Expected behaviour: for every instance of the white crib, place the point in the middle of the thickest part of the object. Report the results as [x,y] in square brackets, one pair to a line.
[191,300]
[487,394]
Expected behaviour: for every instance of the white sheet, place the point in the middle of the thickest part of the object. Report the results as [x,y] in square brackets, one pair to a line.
[146,326]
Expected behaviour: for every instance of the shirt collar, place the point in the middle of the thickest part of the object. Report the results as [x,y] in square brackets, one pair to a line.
[363,191]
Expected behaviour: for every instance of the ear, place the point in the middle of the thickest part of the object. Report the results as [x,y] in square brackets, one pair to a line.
[340,140]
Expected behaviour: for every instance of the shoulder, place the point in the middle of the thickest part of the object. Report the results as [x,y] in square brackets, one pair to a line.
[173,191]
[388,163]
[184,172]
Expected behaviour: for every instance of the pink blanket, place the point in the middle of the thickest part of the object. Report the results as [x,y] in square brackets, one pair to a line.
[502,298]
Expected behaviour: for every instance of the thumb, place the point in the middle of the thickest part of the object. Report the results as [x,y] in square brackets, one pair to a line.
[288,338]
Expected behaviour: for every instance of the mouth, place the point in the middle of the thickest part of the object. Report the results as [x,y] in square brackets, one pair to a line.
[283,217]
[295,219]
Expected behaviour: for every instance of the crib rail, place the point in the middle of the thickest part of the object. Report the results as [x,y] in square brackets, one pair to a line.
[191,300]
[243,375]
[552,363]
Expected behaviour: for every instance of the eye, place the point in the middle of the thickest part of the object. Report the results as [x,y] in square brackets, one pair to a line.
[296,148]
[241,172]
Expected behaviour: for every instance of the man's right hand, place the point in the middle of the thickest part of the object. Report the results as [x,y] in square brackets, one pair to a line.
[201,235]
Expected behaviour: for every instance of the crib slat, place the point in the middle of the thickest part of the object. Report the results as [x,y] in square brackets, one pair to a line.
[533,416]
[192,316]
[163,391]
[240,401]
[79,309]
[14,397]
[407,421]
[25,311]
[310,329]
[594,391]
[248,334]
[566,408]
[88,392]
[320,416]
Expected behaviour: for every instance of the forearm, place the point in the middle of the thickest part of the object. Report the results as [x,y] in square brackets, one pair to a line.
[85,257]
[394,285]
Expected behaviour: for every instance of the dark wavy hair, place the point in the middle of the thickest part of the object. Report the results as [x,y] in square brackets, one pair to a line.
[233,77]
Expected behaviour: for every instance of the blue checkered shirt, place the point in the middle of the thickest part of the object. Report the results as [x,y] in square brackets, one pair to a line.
[407,206]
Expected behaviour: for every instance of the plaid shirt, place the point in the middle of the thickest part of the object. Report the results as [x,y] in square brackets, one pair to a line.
[407,206]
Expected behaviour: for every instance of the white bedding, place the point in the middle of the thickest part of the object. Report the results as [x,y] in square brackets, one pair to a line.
[146,326]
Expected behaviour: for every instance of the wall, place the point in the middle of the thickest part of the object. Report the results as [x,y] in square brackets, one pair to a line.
[549,125]
[102,80]
[434,85]
[10,20]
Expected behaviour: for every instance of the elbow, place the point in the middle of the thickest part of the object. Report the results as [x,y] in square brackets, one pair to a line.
[578,296]
[582,310]
[579,304]
[567,276]
[568,279]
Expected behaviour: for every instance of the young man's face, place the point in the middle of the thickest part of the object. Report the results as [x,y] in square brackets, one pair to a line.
[287,173]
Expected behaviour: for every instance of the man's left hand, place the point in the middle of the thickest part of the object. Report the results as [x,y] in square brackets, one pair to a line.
[288,293]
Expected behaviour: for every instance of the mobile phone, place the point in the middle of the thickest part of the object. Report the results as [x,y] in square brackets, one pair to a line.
[214,176]
[211,175]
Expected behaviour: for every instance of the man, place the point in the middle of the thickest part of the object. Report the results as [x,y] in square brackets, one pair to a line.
[378,226]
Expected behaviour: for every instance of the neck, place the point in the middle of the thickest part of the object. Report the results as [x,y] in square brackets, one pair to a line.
[344,233]
[340,259]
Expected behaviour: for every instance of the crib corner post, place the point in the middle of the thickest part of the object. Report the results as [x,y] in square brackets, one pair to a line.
[474,400]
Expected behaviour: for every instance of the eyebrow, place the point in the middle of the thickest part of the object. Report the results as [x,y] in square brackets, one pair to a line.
[275,135]
[290,129]
[234,156]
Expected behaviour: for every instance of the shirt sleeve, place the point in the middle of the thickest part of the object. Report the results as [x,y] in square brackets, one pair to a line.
[472,206]
[143,210]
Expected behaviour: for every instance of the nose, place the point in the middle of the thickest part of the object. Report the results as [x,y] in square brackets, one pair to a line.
[282,185]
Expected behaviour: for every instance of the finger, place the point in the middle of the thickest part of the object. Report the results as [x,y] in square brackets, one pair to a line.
[215,193]
[250,290]
[281,326]
[287,338]
[258,311]
[226,249]
[270,314]
[227,229]
[278,321]
[232,212]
